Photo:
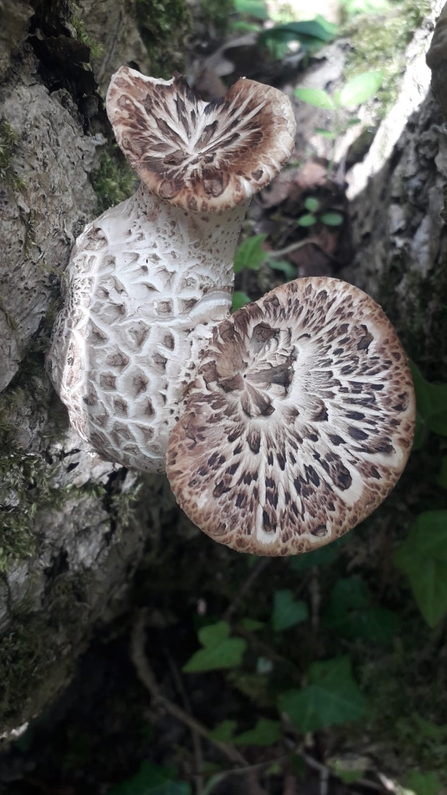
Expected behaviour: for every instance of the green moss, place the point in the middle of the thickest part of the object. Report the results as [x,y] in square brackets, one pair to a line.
[114,180]
[405,686]
[164,25]
[379,42]
[216,15]
[31,670]
[96,49]
[8,138]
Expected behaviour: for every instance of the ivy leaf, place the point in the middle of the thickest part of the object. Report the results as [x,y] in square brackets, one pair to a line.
[224,731]
[360,88]
[220,651]
[309,32]
[240,299]
[351,615]
[252,8]
[315,97]
[152,780]
[332,697]
[266,732]
[423,783]
[250,253]
[423,558]
[286,611]
[284,266]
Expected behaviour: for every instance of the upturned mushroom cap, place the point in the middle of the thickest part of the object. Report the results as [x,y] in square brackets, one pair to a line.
[299,423]
[203,156]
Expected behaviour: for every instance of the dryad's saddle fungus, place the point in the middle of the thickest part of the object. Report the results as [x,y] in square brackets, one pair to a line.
[280,427]
[299,422]
[148,279]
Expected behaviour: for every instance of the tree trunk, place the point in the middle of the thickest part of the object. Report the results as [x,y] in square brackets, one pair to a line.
[72,526]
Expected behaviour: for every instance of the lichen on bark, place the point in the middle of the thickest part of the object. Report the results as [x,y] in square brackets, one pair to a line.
[71,533]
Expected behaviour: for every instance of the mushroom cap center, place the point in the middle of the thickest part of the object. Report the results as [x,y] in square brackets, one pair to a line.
[299,422]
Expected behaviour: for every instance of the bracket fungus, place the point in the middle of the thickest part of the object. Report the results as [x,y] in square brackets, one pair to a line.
[147,280]
[280,427]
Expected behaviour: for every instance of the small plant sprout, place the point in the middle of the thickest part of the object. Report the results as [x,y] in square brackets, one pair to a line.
[314,214]
[354,92]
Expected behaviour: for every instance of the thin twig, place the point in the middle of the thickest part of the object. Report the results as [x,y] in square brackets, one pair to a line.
[196,743]
[147,677]
[257,569]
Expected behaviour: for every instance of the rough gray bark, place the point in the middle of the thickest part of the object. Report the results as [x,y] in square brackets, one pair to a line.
[68,544]
[398,211]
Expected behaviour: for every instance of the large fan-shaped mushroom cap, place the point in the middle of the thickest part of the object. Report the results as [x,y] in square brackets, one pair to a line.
[204,156]
[299,423]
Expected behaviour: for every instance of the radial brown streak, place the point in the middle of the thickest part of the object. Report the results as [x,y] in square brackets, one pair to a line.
[320,410]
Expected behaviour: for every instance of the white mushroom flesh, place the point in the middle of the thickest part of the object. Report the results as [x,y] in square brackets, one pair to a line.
[140,304]
[149,279]
[299,422]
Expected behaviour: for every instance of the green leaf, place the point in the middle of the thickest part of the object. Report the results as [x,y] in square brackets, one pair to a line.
[307,220]
[310,33]
[441,480]
[224,731]
[423,558]
[220,651]
[332,219]
[283,266]
[350,614]
[286,611]
[251,625]
[312,204]
[325,133]
[252,8]
[360,88]
[250,253]
[316,97]
[431,402]
[423,783]
[240,299]
[266,732]
[332,697]
[152,780]
[346,774]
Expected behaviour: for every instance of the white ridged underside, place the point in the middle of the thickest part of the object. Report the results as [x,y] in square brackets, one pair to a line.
[144,287]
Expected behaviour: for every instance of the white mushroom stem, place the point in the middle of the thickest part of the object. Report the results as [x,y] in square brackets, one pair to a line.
[147,281]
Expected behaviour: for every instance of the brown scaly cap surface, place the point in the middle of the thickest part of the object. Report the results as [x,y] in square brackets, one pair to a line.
[203,156]
[299,422]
